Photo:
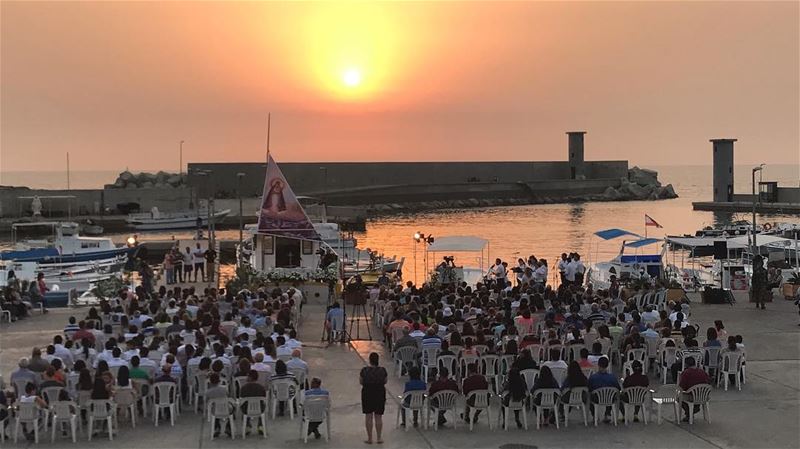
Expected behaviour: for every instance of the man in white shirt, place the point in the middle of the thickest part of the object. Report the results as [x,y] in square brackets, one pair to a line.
[259,364]
[562,267]
[500,273]
[198,260]
[297,363]
[580,269]
[116,359]
[555,360]
[293,342]
[649,315]
[62,352]
[282,349]
[569,272]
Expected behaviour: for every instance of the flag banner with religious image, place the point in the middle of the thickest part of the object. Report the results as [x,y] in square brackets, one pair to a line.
[281,213]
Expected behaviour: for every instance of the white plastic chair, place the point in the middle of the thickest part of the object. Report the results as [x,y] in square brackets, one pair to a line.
[199,388]
[481,400]
[665,394]
[3,423]
[490,368]
[429,359]
[316,409]
[575,351]
[548,400]
[639,354]
[125,398]
[601,399]
[254,408]
[102,410]
[529,375]
[404,357]
[631,398]
[668,358]
[165,397]
[416,403]
[63,412]
[573,398]
[560,374]
[27,413]
[283,390]
[699,394]
[223,410]
[445,401]
[507,411]
[450,362]
[731,365]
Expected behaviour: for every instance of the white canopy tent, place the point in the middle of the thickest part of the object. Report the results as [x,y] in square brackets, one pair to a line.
[461,244]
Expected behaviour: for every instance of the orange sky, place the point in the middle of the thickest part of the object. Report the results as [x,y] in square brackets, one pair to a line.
[120,84]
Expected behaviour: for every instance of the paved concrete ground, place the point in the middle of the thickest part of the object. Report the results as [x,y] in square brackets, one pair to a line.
[764,415]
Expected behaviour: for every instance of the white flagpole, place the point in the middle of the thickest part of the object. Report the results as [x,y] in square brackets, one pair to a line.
[269,117]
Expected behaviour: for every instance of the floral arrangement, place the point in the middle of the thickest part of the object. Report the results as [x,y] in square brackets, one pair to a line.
[286,275]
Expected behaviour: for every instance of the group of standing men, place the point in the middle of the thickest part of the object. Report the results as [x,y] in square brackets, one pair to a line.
[571,269]
[181,266]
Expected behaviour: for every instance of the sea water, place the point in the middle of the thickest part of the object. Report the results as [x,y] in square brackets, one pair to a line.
[542,230]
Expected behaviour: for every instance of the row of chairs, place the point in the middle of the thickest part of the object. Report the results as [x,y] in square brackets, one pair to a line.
[632,401]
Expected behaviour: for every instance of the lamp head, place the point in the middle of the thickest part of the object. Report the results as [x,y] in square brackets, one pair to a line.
[417,236]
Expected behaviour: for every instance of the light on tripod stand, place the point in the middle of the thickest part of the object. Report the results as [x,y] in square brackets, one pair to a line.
[417,236]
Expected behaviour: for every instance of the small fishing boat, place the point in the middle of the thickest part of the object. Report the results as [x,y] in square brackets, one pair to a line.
[188,219]
[61,244]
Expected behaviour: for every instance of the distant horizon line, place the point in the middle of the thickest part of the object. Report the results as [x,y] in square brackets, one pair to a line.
[367,162]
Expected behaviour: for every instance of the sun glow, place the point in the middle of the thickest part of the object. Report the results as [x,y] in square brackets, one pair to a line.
[353,51]
[351,77]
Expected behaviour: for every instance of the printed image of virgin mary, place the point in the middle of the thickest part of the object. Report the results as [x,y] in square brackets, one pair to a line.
[275,201]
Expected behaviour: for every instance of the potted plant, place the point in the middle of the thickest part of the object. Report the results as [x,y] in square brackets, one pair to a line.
[791,286]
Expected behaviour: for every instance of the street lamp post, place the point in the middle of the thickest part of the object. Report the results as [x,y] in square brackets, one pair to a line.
[180,158]
[755,169]
[239,177]
[427,239]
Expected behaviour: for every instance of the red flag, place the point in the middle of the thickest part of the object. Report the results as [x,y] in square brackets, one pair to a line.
[648,221]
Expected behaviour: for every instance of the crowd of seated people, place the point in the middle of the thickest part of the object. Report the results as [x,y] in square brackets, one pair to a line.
[570,336]
[209,342]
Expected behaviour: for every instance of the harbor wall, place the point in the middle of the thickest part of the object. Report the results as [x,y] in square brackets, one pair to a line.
[325,178]
[90,201]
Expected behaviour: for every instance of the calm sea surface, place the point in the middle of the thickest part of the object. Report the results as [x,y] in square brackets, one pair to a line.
[518,231]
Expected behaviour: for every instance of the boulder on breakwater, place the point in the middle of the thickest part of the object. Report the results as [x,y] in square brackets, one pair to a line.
[144,180]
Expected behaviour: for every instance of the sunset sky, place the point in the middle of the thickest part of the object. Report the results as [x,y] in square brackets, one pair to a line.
[120,84]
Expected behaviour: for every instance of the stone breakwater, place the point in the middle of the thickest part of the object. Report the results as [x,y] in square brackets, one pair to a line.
[640,185]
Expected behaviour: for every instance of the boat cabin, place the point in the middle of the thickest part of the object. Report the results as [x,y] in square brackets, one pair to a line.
[272,251]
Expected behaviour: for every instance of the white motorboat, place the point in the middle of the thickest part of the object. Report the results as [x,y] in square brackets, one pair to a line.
[61,244]
[188,219]
[626,267]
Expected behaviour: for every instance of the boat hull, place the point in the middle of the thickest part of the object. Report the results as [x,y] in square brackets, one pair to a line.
[187,222]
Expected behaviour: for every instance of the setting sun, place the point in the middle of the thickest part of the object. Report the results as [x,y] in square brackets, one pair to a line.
[351,77]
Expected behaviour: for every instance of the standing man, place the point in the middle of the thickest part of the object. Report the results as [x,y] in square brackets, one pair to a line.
[569,270]
[197,257]
[758,288]
[37,291]
[187,264]
[179,262]
[580,269]
[562,267]
[500,273]
[211,257]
